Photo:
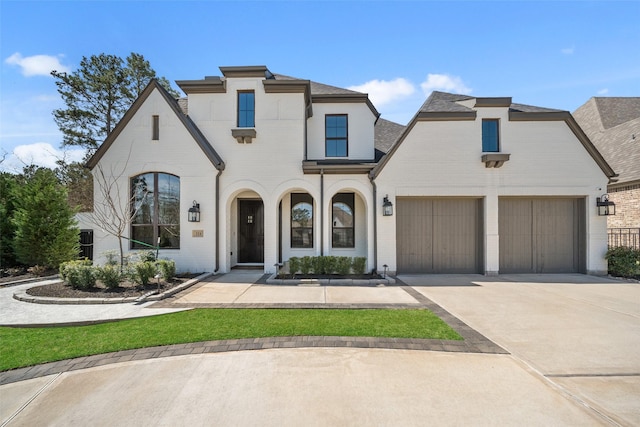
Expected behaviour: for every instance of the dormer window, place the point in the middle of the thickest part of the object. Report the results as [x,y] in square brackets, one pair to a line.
[246,109]
[336,135]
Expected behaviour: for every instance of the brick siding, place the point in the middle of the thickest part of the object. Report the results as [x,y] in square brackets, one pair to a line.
[627,200]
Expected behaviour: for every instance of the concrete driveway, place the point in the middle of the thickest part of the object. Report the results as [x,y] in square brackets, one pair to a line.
[574,343]
[581,333]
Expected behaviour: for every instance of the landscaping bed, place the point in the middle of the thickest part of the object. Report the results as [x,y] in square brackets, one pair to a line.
[126,289]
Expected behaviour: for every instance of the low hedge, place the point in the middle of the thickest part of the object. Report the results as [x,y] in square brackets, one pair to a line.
[327,265]
[624,262]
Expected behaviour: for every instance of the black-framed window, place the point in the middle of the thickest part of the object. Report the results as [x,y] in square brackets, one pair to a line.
[155,132]
[155,207]
[490,135]
[301,220]
[343,220]
[336,135]
[246,109]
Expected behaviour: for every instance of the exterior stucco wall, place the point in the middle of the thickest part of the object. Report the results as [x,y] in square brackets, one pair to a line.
[443,158]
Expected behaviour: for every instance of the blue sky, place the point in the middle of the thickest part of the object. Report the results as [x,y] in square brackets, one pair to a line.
[554,54]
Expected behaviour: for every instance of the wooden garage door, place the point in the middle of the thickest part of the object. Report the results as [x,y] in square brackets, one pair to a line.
[439,235]
[542,235]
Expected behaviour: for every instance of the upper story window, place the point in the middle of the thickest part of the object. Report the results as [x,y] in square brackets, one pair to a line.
[155,206]
[301,220]
[490,135]
[343,235]
[246,109]
[155,132]
[336,134]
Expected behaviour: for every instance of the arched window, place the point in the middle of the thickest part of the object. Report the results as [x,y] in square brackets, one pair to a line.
[343,219]
[155,207]
[301,220]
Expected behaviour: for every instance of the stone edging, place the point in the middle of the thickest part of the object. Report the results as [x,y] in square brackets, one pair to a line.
[332,282]
[25,297]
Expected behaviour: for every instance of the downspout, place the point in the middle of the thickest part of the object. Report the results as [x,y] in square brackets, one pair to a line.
[375,223]
[218,221]
[321,212]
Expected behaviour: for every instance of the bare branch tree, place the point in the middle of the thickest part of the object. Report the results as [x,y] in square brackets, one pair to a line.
[114,207]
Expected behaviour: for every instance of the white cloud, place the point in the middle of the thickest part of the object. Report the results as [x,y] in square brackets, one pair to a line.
[603,91]
[444,82]
[40,154]
[37,65]
[568,50]
[383,92]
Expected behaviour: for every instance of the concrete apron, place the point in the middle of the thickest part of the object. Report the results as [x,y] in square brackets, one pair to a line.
[581,333]
[311,387]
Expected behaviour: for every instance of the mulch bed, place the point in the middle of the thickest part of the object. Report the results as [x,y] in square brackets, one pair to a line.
[125,290]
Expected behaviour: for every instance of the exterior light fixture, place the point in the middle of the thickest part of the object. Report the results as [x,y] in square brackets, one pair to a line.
[194,212]
[387,206]
[605,206]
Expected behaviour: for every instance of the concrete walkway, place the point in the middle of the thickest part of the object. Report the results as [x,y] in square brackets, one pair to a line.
[574,361]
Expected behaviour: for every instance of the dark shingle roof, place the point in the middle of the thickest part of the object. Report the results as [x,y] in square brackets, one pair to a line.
[320,88]
[611,124]
[442,102]
[386,133]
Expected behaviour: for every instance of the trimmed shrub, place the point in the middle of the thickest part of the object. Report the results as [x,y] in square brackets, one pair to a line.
[359,265]
[65,267]
[109,275]
[330,264]
[624,262]
[113,258]
[344,265]
[317,264]
[167,268]
[142,272]
[306,264]
[147,256]
[78,274]
[294,265]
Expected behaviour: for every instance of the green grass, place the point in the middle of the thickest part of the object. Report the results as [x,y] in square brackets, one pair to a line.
[28,346]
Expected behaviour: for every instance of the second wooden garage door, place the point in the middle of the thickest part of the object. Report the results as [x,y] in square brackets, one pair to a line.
[439,235]
[542,235]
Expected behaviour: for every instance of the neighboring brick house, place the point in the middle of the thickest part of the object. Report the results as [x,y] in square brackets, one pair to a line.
[282,167]
[613,125]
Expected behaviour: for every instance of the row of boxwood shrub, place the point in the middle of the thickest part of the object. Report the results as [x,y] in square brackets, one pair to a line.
[624,262]
[342,265]
[82,274]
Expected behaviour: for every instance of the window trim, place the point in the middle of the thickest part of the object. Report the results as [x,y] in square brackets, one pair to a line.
[155,215]
[497,137]
[301,198]
[350,200]
[239,111]
[345,138]
[155,128]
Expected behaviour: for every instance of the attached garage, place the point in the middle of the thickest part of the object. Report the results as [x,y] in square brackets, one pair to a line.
[542,235]
[439,235]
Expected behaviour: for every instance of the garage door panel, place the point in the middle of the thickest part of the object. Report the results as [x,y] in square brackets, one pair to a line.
[439,235]
[541,235]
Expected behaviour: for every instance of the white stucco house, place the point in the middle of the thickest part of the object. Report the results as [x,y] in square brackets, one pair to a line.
[281,167]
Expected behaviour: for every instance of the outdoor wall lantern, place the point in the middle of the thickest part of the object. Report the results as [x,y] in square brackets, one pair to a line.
[605,206]
[387,206]
[194,212]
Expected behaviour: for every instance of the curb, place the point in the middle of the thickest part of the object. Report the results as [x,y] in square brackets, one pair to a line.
[330,282]
[25,297]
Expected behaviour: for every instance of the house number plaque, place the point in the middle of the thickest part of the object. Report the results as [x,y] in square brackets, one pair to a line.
[197,233]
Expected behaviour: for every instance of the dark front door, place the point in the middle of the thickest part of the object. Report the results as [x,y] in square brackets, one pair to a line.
[250,231]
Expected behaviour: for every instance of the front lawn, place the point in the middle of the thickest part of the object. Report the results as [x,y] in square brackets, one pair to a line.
[29,346]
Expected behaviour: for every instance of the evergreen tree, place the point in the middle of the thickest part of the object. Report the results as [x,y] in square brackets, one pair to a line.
[97,95]
[8,183]
[46,233]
